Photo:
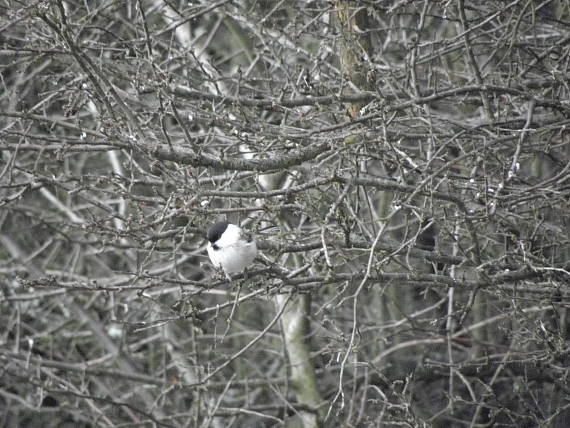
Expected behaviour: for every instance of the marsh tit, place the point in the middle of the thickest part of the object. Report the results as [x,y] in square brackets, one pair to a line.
[230,247]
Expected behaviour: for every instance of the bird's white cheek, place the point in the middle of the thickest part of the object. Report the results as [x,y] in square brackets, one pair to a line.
[214,257]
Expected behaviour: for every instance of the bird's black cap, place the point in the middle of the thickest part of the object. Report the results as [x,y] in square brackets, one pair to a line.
[216,231]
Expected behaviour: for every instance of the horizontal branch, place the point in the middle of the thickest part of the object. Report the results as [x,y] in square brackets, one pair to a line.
[427,96]
[274,163]
[316,281]
[82,368]
[86,369]
[378,183]
[388,247]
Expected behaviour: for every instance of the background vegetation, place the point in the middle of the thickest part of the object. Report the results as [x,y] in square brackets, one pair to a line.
[404,165]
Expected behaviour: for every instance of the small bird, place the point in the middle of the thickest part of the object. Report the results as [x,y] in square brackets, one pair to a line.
[230,248]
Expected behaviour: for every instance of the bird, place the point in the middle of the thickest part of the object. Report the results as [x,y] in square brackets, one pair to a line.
[230,248]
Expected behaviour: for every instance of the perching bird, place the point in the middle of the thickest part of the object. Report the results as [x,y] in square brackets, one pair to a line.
[230,248]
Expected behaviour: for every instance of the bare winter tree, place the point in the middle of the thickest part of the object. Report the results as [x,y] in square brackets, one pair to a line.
[403,165]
